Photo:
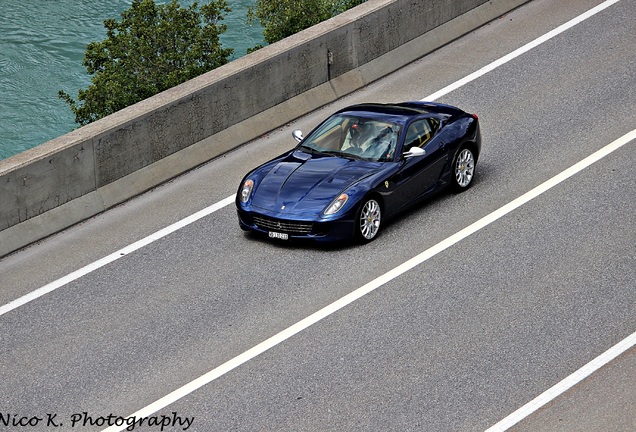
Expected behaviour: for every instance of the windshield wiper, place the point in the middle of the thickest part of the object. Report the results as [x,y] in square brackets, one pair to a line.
[333,152]
[309,149]
[346,155]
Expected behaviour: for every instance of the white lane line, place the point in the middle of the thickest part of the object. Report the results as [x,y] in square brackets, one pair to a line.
[564,385]
[214,207]
[516,53]
[113,257]
[374,284]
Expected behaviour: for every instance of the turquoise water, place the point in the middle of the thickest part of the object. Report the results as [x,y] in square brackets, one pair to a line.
[42,45]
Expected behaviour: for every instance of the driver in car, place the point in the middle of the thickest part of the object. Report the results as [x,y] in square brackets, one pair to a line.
[358,135]
[382,145]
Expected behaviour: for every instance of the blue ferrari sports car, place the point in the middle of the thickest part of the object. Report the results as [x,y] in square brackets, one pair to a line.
[358,168]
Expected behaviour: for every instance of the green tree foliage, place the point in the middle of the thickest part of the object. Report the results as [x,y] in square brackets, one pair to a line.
[282,18]
[153,48]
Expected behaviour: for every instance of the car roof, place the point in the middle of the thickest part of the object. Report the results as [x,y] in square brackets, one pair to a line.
[404,109]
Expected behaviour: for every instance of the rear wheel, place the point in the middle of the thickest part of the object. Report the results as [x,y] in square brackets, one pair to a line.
[369,220]
[463,170]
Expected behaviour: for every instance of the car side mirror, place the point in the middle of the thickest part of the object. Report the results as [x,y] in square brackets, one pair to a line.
[298,135]
[413,152]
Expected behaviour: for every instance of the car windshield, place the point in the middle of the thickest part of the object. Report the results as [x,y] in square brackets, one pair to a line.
[354,136]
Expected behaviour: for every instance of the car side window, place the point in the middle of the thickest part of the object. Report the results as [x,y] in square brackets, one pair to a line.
[420,132]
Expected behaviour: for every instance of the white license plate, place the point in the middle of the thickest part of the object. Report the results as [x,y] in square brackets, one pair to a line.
[278,235]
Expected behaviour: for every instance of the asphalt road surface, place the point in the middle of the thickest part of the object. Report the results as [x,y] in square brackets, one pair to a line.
[458,342]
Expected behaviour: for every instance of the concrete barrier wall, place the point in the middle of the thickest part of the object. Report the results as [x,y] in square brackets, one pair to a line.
[91,169]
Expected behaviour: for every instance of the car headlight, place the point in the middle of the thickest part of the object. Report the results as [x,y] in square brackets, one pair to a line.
[337,204]
[246,190]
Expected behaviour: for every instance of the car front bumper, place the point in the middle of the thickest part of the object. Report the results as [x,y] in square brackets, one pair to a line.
[297,228]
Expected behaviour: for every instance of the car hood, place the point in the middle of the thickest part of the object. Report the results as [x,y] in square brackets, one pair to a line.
[303,183]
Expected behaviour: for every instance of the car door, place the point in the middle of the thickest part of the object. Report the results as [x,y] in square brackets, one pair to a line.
[418,175]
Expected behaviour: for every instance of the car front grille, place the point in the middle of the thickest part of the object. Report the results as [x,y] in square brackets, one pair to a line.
[281,225]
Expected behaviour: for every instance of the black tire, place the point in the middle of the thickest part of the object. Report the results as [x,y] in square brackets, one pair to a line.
[368,221]
[463,170]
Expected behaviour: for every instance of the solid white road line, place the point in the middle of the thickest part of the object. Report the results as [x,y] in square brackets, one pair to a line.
[114,256]
[214,207]
[527,409]
[378,282]
[564,385]
[516,53]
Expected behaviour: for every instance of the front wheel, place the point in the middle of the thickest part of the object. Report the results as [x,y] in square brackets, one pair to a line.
[463,170]
[369,219]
